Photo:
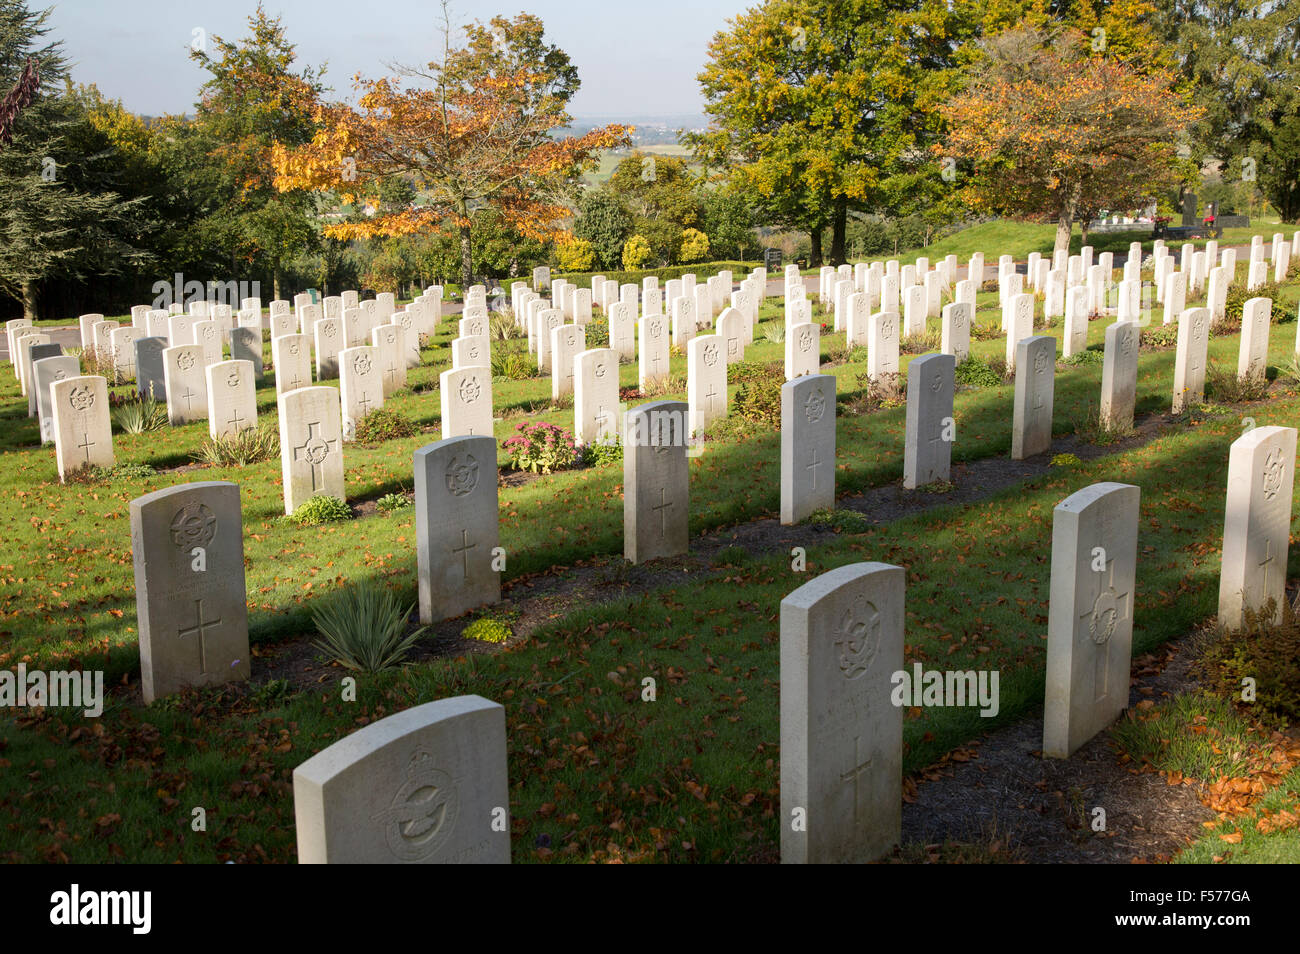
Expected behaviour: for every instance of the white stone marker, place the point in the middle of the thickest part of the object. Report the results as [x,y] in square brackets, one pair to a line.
[858,329]
[595,397]
[731,328]
[1090,619]
[1031,428]
[291,355]
[841,738]
[361,387]
[23,360]
[622,329]
[391,341]
[45,371]
[474,351]
[103,343]
[1257,524]
[684,321]
[566,342]
[914,312]
[456,520]
[547,321]
[1175,297]
[1119,375]
[466,400]
[284,323]
[882,351]
[311,445]
[1019,315]
[329,340]
[1190,359]
[1075,338]
[180,330]
[807,446]
[232,398]
[706,381]
[425,786]
[955,336]
[656,481]
[150,381]
[208,335]
[185,384]
[927,454]
[1252,354]
[187,543]
[82,427]
[652,351]
[802,350]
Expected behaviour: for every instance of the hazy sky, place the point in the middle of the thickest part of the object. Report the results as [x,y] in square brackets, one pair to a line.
[634,58]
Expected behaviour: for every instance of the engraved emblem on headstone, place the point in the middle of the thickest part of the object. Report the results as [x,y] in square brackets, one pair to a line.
[329,330]
[1274,474]
[185,360]
[462,475]
[470,390]
[710,355]
[858,637]
[805,340]
[232,380]
[887,327]
[1040,362]
[815,406]
[81,398]
[193,526]
[361,364]
[423,813]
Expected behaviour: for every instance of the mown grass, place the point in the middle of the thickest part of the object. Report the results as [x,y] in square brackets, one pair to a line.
[596,772]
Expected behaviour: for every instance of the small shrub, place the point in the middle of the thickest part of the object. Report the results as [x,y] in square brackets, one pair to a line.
[920,343]
[1160,336]
[137,417]
[974,373]
[249,446]
[888,390]
[743,371]
[1223,385]
[1267,653]
[1065,460]
[322,508]
[758,398]
[124,472]
[731,556]
[390,503]
[774,331]
[840,521]
[596,332]
[502,327]
[487,630]
[937,487]
[1235,301]
[668,384]
[513,365]
[603,454]
[1086,356]
[363,627]
[541,448]
[1091,430]
[983,332]
[384,424]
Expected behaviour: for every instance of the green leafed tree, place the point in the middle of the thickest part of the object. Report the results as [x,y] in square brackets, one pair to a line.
[604,221]
[59,218]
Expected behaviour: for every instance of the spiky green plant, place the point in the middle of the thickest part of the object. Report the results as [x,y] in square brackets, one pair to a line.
[363,627]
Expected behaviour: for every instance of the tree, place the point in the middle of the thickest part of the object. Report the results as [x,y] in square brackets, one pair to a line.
[476,134]
[576,255]
[635,252]
[663,197]
[1239,61]
[1052,130]
[254,101]
[606,223]
[729,223]
[819,107]
[695,246]
[60,217]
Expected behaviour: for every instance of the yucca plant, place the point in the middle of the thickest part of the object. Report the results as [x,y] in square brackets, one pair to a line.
[249,446]
[502,327]
[513,365]
[137,417]
[363,627]
[774,331]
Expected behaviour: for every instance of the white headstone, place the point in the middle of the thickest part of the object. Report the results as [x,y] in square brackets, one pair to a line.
[185,384]
[706,381]
[81,424]
[1119,375]
[1190,358]
[802,350]
[931,429]
[1031,428]
[466,399]
[311,445]
[595,397]
[232,398]
[291,355]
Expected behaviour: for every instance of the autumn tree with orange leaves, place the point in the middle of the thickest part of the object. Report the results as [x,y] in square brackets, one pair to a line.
[1053,130]
[474,131]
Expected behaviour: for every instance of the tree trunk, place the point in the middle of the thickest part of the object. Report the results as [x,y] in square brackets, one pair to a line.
[815,256]
[1065,222]
[1083,233]
[840,227]
[466,258]
[275,280]
[31,302]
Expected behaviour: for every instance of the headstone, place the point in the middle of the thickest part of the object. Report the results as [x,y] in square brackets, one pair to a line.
[731,329]
[652,351]
[1257,524]
[547,321]
[86,323]
[391,341]
[184,384]
[684,321]
[807,446]
[246,346]
[1175,296]
[566,342]
[425,786]
[475,323]
[361,388]
[466,400]
[291,355]
[1119,375]
[472,351]
[232,398]
[311,445]
[656,481]
[26,341]
[595,397]
[841,736]
[457,526]
[927,455]
[82,427]
[1252,353]
[45,371]
[802,350]
[329,340]
[706,381]
[103,343]
[1190,359]
[1090,616]
[284,323]
[208,335]
[1031,428]
[150,381]
[955,336]
[187,542]
[1019,313]
[180,330]
[622,329]
[882,350]
[914,312]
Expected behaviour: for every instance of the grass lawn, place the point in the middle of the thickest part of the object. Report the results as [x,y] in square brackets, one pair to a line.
[595,772]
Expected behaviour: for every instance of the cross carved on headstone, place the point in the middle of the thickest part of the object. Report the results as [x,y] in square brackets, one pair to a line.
[661,507]
[199,629]
[854,774]
[1107,601]
[813,468]
[1265,565]
[311,448]
[86,444]
[463,550]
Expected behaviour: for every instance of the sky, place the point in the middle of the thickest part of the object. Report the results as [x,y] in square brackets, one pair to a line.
[634,57]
